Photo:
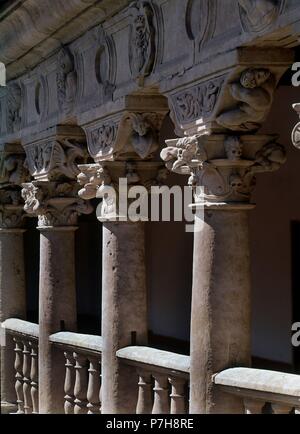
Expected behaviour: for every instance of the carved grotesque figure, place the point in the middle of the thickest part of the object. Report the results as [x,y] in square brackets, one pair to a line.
[233,148]
[180,155]
[254,96]
[259,13]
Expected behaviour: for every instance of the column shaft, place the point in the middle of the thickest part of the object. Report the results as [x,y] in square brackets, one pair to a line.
[12,301]
[220,327]
[57,310]
[124,311]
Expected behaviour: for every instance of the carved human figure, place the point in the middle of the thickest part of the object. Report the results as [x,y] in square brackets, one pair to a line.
[259,12]
[254,95]
[66,79]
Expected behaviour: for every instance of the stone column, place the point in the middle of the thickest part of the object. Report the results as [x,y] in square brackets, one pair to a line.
[12,272]
[124,293]
[124,310]
[119,146]
[53,198]
[223,169]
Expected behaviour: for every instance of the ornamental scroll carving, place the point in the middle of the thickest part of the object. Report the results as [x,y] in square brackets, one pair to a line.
[142,49]
[257,15]
[253,96]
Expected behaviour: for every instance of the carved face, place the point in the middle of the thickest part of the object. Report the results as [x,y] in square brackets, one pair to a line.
[236,182]
[253,78]
[233,148]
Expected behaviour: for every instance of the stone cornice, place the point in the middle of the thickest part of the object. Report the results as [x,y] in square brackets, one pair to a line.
[29,29]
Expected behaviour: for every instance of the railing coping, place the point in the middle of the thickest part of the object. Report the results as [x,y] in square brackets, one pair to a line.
[154,357]
[260,380]
[22,327]
[77,340]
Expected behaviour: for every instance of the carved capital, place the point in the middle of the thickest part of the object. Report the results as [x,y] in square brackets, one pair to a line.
[56,155]
[11,209]
[222,168]
[12,175]
[111,181]
[55,204]
[296,130]
[238,98]
[130,134]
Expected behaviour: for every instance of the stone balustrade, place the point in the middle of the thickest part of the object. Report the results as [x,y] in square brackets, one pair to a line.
[82,386]
[262,391]
[163,379]
[25,336]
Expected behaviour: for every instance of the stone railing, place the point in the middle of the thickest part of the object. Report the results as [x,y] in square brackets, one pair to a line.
[83,371]
[25,336]
[262,391]
[163,379]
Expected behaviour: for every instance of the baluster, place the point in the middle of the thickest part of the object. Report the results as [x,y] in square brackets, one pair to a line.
[253,406]
[161,395]
[80,389]
[19,375]
[34,378]
[178,405]
[145,402]
[93,387]
[26,378]
[281,408]
[69,383]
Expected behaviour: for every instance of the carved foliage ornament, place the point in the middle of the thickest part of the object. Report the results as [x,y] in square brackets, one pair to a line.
[102,139]
[257,15]
[55,204]
[200,101]
[54,159]
[142,49]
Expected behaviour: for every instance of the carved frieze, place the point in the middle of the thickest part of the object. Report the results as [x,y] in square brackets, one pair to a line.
[55,204]
[257,15]
[142,48]
[223,168]
[54,159]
